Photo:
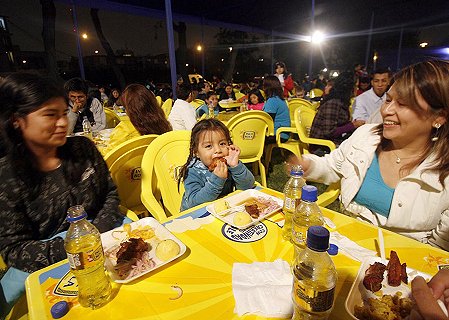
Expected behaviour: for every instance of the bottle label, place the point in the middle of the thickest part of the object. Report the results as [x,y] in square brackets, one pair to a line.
[291,203]
[310,299]
[86,259]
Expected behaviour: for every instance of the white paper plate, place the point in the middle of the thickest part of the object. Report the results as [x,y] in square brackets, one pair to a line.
[239,199]
[162,233]
[358,292]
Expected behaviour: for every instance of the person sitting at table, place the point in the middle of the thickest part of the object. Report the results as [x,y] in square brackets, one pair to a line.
[205,176]
[145,116]
[396,174]
[80,106]
[256,100]
[228,93]
[43,174]
[182,115]
[276,107]
[211,99]
[113,97]
[205,88]
[427,295]
[332,120]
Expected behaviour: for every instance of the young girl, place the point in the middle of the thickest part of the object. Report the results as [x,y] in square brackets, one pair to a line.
[205,177]
[280,71]
[211,99]
[256,100]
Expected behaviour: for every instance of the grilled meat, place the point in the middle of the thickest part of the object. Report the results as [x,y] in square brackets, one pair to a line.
[374,276]
[215,162]
[134,248]
[394,268]
[253,210]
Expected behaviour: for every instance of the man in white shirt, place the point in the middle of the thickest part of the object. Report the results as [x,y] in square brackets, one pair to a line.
[182,115]
[81,106]
[369,102]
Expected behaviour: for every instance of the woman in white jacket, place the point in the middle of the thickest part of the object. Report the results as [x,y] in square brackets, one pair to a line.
[396,174]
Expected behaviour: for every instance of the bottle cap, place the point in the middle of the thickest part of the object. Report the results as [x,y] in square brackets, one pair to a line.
[296,170]
[59,309]
[309,193]
[318,238]
[333,249]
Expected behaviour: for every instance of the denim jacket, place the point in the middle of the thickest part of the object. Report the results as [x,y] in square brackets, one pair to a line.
[201,185]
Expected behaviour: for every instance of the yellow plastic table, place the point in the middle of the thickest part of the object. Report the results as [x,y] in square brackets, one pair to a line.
[226,116]
[204,272]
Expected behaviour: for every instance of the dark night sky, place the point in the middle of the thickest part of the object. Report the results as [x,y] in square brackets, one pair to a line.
[147,35]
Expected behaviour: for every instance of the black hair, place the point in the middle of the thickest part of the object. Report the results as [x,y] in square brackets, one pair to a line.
[272,87]
[201,126]
[210,94]
[76,84]
[257,93]
[342,88]
[380,70]
[282,65]
[183,91]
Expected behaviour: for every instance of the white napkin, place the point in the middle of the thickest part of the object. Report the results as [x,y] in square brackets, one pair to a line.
[350,248]
[263,288]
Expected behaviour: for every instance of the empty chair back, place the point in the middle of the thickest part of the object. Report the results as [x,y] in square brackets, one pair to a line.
[124,163]
[164,158]
[112,119]
[166,106]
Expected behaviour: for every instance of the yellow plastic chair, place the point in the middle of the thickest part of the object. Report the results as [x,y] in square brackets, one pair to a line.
[197,103]
[166,106]
[162,161]
[315,92]
[159,101]
[239,95]
[112,119]
[248,131]
[124,163]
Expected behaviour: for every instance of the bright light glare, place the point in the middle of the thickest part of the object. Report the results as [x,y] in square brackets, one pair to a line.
[24,61]
[84,35]
[230,49]
[423,44]
[222,59]
[187,64]
[375,57]
[325,70]
[199,48]
[96,51]
[335,74]
[317,37]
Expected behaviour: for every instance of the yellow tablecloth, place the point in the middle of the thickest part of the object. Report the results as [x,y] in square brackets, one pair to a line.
[226,116]
[205,272]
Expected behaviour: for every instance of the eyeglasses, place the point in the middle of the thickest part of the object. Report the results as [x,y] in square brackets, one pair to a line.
[79,98]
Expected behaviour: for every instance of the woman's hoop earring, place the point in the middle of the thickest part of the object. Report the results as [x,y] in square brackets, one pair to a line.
[435,137]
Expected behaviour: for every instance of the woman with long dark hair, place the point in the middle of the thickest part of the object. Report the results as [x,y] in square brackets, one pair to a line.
[43,174]
[145,115]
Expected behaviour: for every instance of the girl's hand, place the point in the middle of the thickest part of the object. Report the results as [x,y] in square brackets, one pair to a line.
[221,170]
[233,157]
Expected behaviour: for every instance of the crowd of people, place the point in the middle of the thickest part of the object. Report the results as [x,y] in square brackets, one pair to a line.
[392,155]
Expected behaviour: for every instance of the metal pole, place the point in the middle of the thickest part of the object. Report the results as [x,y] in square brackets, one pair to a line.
[272,51]
[203,48]
[171,45]
[398,61]
[368,45]
[78,43]
[312,29]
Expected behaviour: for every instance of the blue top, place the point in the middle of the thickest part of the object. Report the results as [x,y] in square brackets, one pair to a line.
[204,109]
[374,193]
[201,185]
[278,107]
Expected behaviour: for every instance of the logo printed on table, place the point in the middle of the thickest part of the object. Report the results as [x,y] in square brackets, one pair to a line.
[67,286]
[251,234]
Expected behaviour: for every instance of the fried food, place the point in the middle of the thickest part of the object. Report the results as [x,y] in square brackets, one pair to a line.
[396,272]
[386,308]
[134,248]
[374,276]
[214,163]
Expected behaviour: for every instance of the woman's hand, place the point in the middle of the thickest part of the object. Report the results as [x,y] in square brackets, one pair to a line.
[233,157]
[427,295]
[221,170]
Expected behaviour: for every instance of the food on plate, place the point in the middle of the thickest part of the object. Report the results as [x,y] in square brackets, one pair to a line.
[221,205]
[396,272]
[253,210]
[374,276]
[242,218]
[215,162]
[134,248]
[386,308]
[167,249]
[144,232]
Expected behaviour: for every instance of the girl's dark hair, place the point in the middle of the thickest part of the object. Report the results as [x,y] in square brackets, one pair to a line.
[111,99]
[272,87]
[257,93]
[20,95]
[200,127]
[282,65]
[342,88]
[143,110]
